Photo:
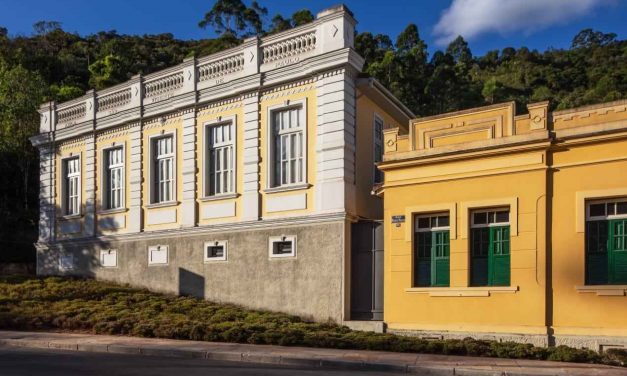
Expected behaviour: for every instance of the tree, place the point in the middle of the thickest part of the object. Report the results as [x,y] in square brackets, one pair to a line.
[492,90]
[233,17]
[21,92]
[46,27]
[107,72]
[279,24]
[301,17]
[588,38]
[412,67]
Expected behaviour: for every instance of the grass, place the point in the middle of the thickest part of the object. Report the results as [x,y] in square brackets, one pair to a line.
[86,305]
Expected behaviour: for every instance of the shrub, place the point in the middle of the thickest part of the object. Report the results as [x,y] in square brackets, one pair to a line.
[105,308]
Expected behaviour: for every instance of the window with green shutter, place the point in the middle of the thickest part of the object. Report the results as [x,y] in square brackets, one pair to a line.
[606,242]
[432,251]
[490,248]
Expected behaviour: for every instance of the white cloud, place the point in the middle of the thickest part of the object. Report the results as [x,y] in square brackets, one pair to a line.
[470,18]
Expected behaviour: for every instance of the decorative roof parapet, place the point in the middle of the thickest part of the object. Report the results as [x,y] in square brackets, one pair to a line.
[333,30]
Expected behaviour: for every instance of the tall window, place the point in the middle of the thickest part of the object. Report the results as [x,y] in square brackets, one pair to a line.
[432,250]
[163,169]
[606,242]
[490,248]
[288,133]
[220,159]
[378,148]
[72,185]
[114,178]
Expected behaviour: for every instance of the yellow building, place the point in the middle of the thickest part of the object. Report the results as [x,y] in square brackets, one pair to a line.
[508,226]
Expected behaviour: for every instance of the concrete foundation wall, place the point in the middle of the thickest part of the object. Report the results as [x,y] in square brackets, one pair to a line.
[309,285]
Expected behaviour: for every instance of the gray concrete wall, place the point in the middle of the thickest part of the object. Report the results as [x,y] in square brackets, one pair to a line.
[309,285]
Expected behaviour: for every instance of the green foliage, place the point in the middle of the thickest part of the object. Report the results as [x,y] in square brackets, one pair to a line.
[300,17]
[21,93]
[104,308]
[106,72]
[593,70]
[234,18]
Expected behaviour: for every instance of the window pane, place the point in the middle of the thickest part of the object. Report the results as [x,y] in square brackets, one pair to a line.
[215,251]
[285,121]
[502,216]
[294,118]
[621,208]
[423,222]
[597,210]
[443,221]
[480,218]
[280,248]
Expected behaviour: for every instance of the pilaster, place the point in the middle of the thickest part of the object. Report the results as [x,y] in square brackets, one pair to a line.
[90,186]
[250,195]
[335,147]
[135,179]
[188,202]
[46,194]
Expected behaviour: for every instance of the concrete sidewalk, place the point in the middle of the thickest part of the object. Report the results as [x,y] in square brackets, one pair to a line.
[303,357]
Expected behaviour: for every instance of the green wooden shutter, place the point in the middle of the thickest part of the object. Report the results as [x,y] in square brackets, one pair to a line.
[499,257]
[618,251]
[422,257]
[597,264]
[480,243]
[440,258]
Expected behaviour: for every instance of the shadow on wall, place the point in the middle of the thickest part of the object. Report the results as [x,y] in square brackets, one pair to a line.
[191,284]
[78,252]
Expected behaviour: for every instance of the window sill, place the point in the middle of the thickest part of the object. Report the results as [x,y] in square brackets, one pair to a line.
[603,290]
[283,257]
[219,197]
[287,188]
[462,291]
[214,261]
[71,217]
[162,205]
[112,211]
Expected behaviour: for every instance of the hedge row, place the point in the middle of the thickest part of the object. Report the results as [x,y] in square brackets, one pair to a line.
[103,308]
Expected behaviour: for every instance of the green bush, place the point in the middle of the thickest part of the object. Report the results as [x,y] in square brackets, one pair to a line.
[104,308]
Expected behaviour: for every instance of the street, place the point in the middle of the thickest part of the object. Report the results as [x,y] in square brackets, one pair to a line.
[35,362]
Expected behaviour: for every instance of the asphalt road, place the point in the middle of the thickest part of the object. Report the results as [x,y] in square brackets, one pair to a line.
[35,362]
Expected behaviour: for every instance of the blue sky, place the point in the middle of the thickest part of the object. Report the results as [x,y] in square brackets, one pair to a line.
[486,24]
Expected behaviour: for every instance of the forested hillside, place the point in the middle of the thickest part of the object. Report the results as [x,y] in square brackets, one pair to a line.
[52,64]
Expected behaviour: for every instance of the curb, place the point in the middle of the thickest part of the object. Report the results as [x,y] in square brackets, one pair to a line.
[245,357]
[231,356]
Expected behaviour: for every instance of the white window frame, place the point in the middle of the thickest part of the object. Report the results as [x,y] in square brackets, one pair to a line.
[105,179]
[66,262]
[232,120]
[105,252]
[303,129]
[376,118]
[64,185]
[158,248]
[606,202]
[153,175]
[215,243]
[282,238]
[490,210]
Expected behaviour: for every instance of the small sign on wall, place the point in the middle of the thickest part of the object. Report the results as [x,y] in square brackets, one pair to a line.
[398,219]
[158,255]
[109,258]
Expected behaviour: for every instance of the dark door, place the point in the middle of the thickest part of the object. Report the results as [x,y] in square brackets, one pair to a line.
[367,271]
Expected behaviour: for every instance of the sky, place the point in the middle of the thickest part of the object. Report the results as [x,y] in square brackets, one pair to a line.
[485,24]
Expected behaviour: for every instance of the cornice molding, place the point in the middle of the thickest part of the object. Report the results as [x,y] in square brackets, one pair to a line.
[244,226]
